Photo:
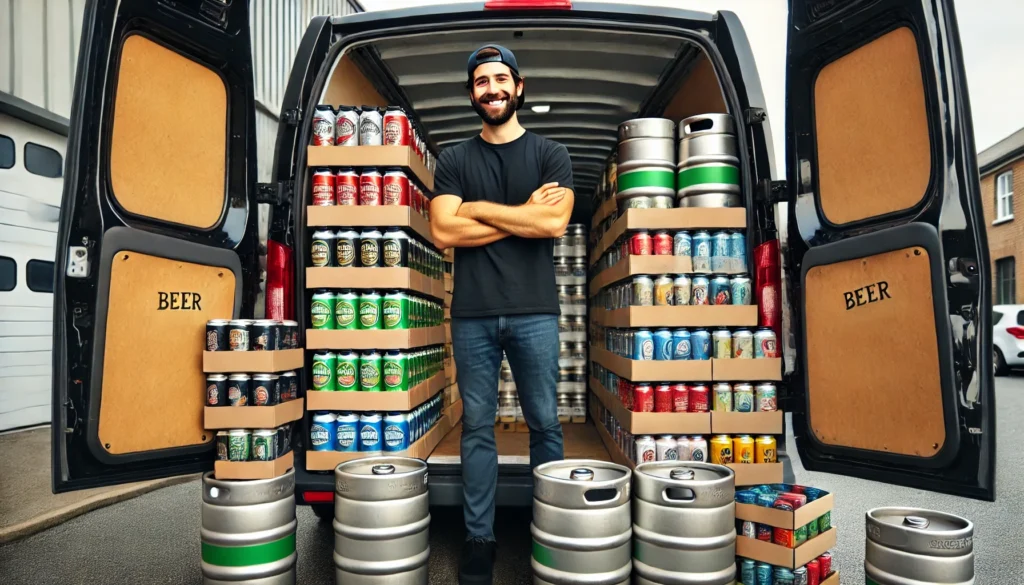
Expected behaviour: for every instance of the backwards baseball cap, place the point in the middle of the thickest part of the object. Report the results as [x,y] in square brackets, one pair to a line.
[504,56]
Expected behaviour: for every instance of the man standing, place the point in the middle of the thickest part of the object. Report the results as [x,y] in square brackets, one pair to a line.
[501,198]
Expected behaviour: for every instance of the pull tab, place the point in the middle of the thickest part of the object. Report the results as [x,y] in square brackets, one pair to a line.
[916,522]
[581,474]
[384,469]
[680,473]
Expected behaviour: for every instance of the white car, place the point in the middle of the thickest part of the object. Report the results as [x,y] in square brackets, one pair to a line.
[1007,337]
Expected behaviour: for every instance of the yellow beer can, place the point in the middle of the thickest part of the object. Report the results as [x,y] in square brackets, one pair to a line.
[743,449]
[765,451]
[721,449]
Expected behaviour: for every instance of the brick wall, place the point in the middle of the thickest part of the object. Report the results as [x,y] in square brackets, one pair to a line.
[1006,238]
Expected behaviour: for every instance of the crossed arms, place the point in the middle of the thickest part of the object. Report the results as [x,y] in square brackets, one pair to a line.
[454,223]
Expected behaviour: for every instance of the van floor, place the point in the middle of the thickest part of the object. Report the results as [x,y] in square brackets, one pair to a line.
[580,441]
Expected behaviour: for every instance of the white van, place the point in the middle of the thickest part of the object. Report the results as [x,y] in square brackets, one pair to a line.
[882,185]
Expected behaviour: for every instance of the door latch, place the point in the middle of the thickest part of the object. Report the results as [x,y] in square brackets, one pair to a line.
[277,194]
[755,115]
[292,116]
[771,192]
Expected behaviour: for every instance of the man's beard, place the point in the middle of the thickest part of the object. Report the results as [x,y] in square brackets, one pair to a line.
[503,116]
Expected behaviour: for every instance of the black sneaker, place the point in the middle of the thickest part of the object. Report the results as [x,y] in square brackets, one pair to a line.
[477,565]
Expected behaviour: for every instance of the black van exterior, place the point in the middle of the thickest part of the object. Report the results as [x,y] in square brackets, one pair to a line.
[942,228]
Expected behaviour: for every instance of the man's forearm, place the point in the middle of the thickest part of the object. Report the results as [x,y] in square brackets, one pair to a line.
[462,232]
[525,221]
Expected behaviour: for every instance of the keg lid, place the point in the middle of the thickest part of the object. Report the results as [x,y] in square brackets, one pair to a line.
[582,483]
[380,478]
[916,530]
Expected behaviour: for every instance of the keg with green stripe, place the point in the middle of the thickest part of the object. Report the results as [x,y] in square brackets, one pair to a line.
[708,167]
[581,523]
[645,165]
[248,531]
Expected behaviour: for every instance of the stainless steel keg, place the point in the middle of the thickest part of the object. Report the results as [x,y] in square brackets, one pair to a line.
[906,546]
[647,152]
[381,522]
[645,128]
[708,166]
[248,531]
[684,524]
[581,523]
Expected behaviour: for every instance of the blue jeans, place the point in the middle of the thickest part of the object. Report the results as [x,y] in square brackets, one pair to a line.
[531,345]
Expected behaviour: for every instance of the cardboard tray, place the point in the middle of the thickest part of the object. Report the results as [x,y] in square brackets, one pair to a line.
[685,316]
[368,216]
[653,371]
[374,339]
[374,278]
[252,417]
[747,423]
[371,156]
[229,362]
[376,401]
[633,265]
[781,556]
[832,579]
[254,469]
[604,210]
[746,369]
[653,423]
[421,449]
[670,219]
[609,443]
[783,519]
[757,473]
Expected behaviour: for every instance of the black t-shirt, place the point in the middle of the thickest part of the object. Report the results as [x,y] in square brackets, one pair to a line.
[513,276]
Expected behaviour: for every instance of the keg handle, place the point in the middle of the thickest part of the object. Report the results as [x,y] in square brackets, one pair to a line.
[600,496]
[678,494]
[700,124]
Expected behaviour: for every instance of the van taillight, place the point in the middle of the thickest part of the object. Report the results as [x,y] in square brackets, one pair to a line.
[528,4]
[280,282]
[1017,332]
[768,281]
[318,497]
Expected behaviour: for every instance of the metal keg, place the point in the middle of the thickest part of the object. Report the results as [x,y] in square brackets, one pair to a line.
[381,522]
[708,169]
[581,523]
[248,531]
[906,546]
[684,524]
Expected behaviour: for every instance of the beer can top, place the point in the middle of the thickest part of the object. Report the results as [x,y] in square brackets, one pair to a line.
[395,109]
[345,108]
[239,432]
[218,322]
[345,170]
[216,378]
[290,323]
[369,170]
[366,108]
[321,170]
[237,377]
[324,108]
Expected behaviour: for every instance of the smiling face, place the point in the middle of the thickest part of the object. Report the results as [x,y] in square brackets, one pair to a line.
[494,93]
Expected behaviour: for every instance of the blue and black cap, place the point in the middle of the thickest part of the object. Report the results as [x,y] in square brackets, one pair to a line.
[504,56]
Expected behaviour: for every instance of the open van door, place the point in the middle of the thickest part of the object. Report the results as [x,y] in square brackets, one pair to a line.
[157,235]
[887,254]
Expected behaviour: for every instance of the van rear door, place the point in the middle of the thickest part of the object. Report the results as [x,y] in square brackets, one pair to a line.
[157,235]
[887,255]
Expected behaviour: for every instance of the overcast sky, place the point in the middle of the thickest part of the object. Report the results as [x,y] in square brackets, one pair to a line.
[991,34]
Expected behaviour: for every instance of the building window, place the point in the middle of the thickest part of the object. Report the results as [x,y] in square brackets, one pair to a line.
[1004,196]
[1006,281]
[39,276]
[43,161]
[6,152]
[8,274]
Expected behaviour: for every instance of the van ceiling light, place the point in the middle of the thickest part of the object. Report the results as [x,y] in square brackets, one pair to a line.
[528,4]
[541,109]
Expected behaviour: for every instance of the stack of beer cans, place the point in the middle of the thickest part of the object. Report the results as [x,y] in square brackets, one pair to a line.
[571,269]
[373,432]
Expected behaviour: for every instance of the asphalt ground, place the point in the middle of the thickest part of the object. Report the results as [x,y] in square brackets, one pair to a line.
[154,538]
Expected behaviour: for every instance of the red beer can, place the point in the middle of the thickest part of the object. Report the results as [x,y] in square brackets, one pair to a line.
[643,398]
[825,565]
[323,187]
[626,393]
[698,398]
[783,537]
[346,186]
[396,188]
[680,398]
[813,572]
[397,131]
[662,243]
[371,184]
[663,398]
[641,243]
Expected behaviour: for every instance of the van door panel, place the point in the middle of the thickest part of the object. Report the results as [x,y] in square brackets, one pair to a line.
[887,256]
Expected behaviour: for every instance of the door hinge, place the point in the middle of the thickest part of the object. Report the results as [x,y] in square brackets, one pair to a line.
[277,194]
[771,192]
[292,116]
[755,115]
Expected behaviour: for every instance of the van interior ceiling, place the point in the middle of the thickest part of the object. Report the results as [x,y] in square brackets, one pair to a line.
[593,80]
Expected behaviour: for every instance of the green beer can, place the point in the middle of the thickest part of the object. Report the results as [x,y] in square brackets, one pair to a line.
[324,364]
[395,310]
[347,371]
[239,444]
[346,305]
[321,310]
[396,371]
[369,310]
[370,378]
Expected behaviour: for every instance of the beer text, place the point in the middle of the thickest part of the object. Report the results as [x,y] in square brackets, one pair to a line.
[179,301]
[867,294]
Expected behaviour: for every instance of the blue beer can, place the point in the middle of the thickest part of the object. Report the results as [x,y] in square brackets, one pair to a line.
[662,345]
[720,252]
[396,432]
[783,576]
[370,432]
[681,344]
[323,431]
[348,432]
[747,572]
[763,572]
[746,496]
[414,425]
[643,345]
[702,252]
[700,344]
[740,287]
[737,252]
[682,244]
[765,500]
[719,290]
[699,290]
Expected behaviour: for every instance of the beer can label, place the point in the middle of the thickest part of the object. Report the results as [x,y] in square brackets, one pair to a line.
[392,254]
[320,253]
[369,252]
[345,130]
[322,375]
[394,314]
[395,375]
[347,436]
[345,250]
[369,436]
[369,376]
[320,437]
[396,436]
[345,314]
[321,314]
[347,375]
[238,447]
[369,314]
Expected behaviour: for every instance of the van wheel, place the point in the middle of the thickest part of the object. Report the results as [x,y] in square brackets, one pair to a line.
[323,511]
[998,362]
